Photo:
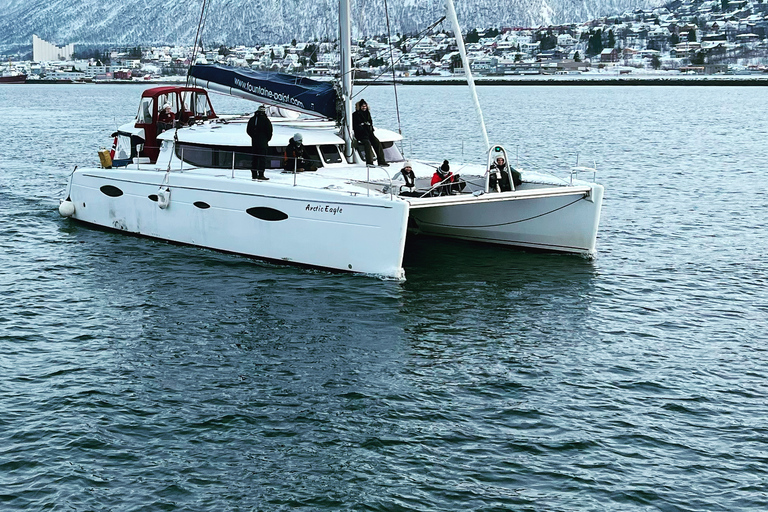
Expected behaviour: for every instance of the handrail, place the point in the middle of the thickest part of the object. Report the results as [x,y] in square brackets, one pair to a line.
[241,161]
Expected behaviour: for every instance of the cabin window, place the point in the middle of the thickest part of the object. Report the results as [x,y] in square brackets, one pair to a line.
[145,111]
[311,152]
[221,157]
[331,154]
[201,106]
[195,104]
[391,153]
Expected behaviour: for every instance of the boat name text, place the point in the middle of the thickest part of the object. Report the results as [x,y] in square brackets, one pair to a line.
[324,208]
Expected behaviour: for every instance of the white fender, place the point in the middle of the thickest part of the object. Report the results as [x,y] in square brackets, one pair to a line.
[164,197]
[66,208]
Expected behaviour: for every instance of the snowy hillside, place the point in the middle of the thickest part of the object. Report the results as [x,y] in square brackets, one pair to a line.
[142,22]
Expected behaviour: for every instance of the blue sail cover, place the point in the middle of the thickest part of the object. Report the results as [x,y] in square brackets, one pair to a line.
[291,92]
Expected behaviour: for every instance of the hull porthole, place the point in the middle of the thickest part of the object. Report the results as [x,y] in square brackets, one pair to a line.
[111,191]
[265,213]
[202,205]
[152,197]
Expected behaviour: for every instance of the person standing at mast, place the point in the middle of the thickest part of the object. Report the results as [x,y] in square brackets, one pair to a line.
[260,130]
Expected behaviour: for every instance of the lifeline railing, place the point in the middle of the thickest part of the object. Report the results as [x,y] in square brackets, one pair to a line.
[243,161]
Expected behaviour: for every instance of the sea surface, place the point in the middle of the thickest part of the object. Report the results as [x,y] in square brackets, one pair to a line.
[136,375]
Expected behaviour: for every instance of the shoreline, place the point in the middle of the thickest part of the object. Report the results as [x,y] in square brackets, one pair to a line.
[652,80]
[586,80]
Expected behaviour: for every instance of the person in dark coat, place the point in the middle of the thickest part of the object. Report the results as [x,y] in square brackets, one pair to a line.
[500,173]
[362,125]
[260,130]
[296,157]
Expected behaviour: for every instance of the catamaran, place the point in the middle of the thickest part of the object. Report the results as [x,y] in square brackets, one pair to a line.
[192,184]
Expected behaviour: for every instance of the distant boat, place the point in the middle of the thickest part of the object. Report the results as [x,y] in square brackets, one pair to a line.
[20,78]
[12,76]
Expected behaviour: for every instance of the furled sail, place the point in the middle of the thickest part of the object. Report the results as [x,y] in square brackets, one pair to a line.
[287,91]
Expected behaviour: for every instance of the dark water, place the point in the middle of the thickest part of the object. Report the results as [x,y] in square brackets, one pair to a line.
[138,375]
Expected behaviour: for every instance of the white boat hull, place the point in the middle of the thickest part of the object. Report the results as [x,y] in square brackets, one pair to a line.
[562,219]
[317,227]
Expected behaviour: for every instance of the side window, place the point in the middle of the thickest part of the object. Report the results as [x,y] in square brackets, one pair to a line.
[391,153]
[330,153]
[145,111]
[222,157]
[313,156]
[201,105]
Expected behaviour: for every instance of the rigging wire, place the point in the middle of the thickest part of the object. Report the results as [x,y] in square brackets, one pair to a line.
[198,37]
[392,62]
[420,36]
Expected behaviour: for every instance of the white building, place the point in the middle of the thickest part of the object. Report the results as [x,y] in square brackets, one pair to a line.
[43,51]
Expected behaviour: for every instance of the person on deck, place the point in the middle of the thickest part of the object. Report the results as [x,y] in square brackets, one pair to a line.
[260,131]
[409,176]
[165,119]
[362,125]
[499,176]
[296,157]
[445,182]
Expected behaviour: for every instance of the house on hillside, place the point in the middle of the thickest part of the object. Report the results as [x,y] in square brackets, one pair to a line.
[609,55]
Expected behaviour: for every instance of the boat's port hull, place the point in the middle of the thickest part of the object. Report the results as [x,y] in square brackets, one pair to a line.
[561,219]
[316,227]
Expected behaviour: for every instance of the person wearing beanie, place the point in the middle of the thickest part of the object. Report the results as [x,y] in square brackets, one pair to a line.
[165,119]
[445,182]
[362,125]
[260,131]
[296,157]
[410,179]
[442,180]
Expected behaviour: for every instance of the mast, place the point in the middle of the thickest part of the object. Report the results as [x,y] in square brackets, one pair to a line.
[345,42]
[465,63]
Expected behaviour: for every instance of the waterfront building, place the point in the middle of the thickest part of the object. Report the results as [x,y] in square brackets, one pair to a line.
[43,51]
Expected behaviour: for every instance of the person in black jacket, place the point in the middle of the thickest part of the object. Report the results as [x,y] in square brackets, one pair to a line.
[499,176]
[260,130]
[362,125]
[296,157]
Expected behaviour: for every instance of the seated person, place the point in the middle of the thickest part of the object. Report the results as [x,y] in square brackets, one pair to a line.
[445,182]
[410,180]
[499,176]
[362,125]
[296,157]
[165,119]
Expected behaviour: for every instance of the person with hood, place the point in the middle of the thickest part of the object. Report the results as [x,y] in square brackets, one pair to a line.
[296,157]
[260,131]
[500,174]
[444,182]
[362,125]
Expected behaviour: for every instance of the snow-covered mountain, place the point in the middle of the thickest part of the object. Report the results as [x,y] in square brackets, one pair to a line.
[143,22]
